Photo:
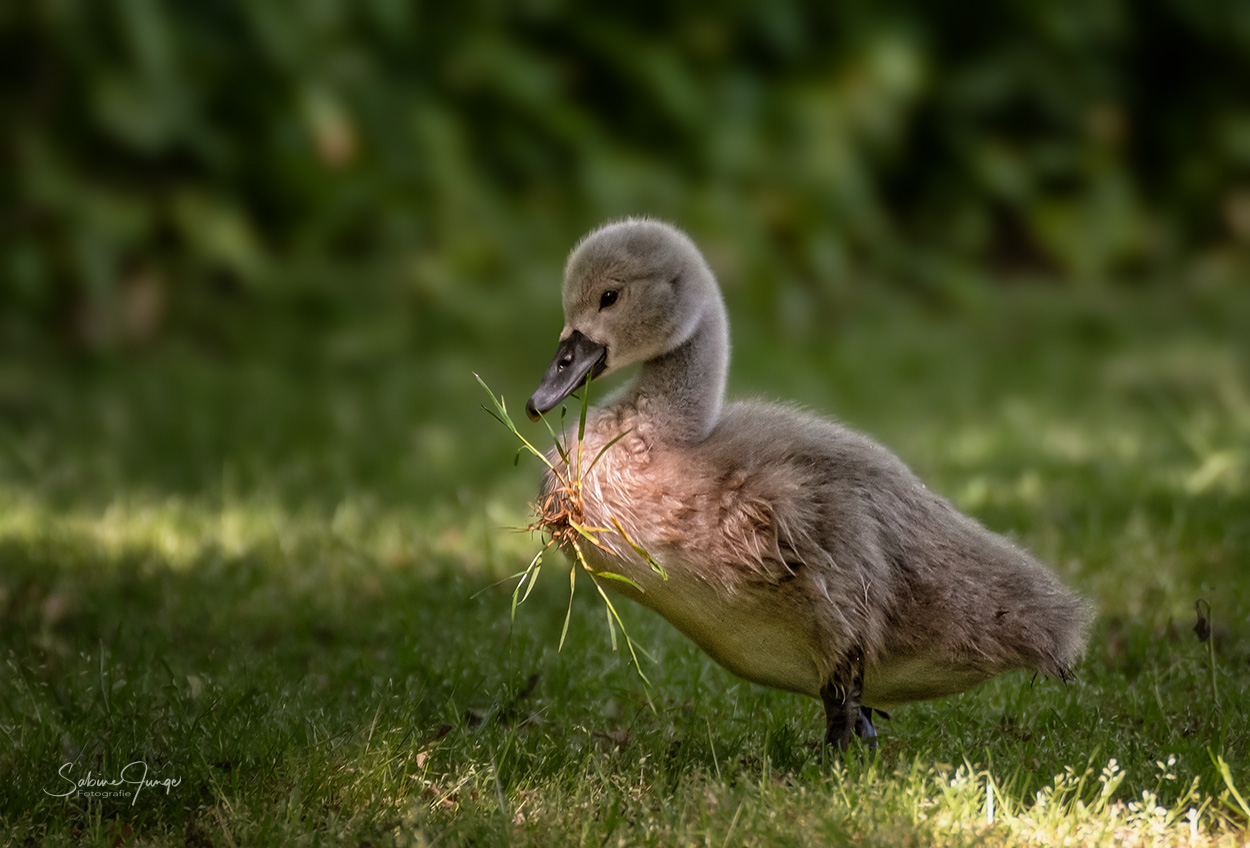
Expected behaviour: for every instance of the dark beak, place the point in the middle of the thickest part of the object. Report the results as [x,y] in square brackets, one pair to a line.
[576,357]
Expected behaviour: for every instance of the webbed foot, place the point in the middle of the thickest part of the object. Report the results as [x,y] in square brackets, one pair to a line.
[864,728]
[844,716]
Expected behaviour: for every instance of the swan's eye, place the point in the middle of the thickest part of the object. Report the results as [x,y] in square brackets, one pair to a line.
[609,298]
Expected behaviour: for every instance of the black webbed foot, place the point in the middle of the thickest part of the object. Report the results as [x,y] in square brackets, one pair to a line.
[844,717]
[864,728]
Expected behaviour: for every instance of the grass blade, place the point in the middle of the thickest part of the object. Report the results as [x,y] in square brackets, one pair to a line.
[611,628]
[629,643]
[1227,775]
[500,414]
[498,582]
[560,448]
[581,421]
[581,425]
[604,449]
[517,589]
[638,549]
[588,533]
[612,575]
[568,615]
[531,574]
[537,568]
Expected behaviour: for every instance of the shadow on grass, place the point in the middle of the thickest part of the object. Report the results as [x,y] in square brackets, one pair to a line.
[235,674]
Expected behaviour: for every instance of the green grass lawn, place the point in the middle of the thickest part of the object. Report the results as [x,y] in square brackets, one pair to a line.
[268,576]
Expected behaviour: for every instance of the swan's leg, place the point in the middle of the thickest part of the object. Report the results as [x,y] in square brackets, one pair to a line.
[841,713]
[844,714]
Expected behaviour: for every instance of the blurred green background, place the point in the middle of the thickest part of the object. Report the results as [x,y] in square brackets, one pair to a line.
[260,247]
[173,167]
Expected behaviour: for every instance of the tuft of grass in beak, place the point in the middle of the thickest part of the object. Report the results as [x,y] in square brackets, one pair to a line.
[559,518]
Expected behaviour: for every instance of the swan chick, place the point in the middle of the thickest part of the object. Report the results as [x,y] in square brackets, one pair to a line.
[796,552]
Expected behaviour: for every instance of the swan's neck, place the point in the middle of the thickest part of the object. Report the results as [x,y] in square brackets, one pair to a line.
[681,392]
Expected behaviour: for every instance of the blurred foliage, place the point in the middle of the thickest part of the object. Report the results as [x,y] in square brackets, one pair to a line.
[170,163]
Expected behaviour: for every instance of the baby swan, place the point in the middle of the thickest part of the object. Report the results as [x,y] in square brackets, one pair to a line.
[798,554]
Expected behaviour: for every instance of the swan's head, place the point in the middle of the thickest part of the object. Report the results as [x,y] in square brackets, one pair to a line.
[633,290]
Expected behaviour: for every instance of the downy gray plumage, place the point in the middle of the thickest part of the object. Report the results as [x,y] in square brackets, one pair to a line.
[799,554]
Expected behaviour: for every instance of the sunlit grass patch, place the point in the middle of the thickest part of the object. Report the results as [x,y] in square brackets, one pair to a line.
[1078,806]
[873,802]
